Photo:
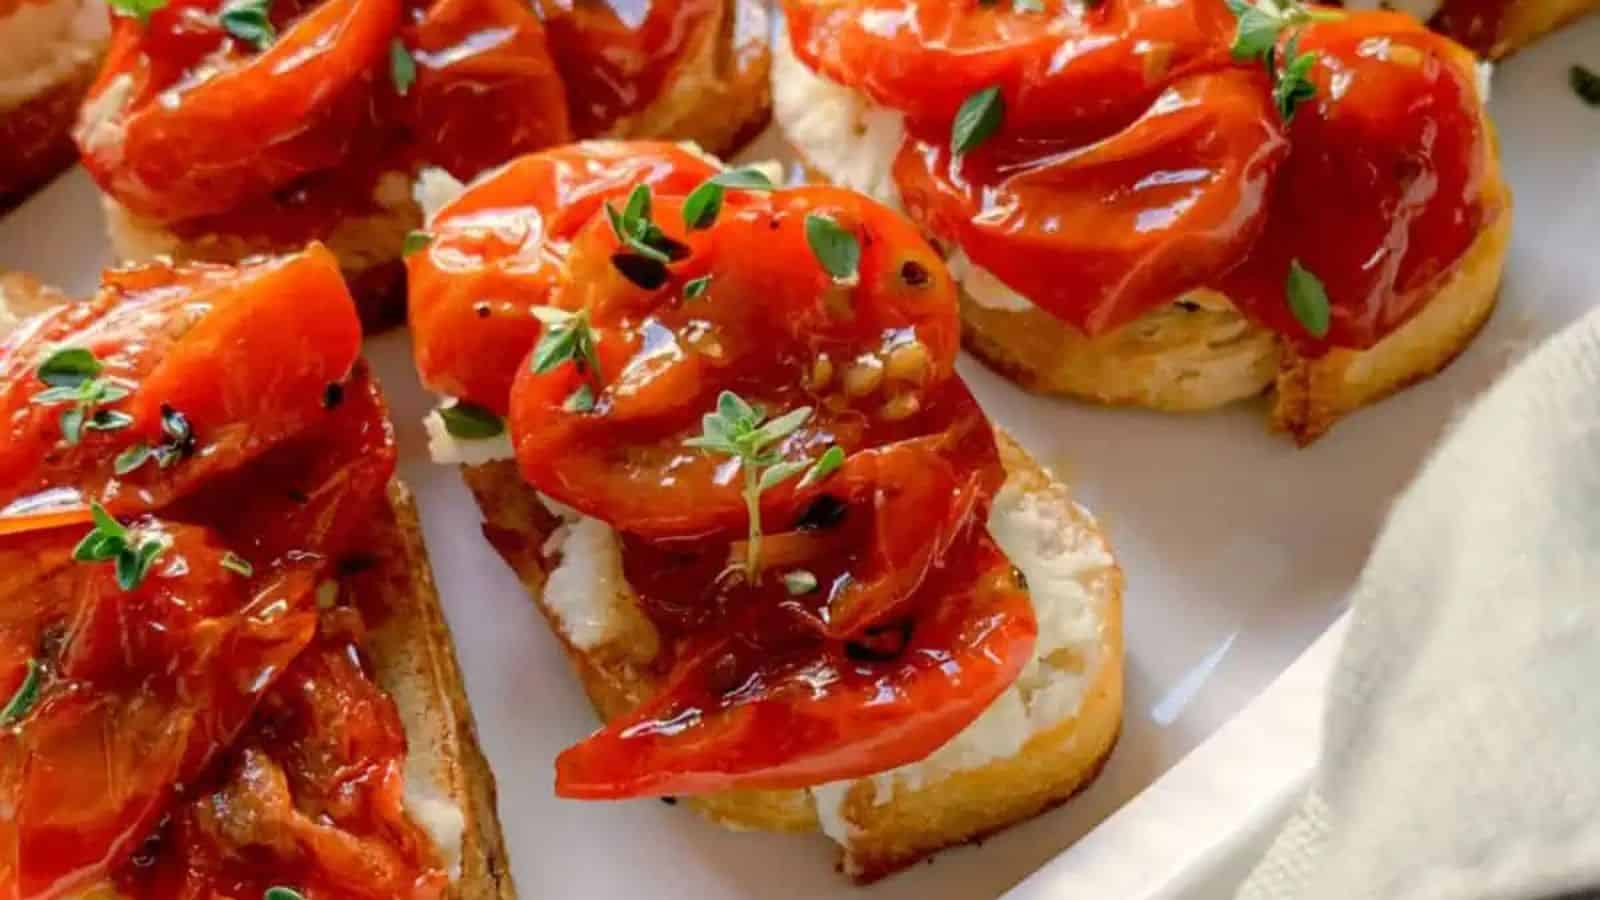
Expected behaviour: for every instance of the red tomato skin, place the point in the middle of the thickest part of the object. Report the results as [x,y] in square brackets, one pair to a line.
[496,252]
[160,330]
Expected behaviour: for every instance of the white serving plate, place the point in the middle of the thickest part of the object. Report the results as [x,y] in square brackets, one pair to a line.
[1238,549]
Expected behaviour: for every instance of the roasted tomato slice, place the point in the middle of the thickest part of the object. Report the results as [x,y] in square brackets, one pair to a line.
[748,706]
[487,89]
[868,354]
[1384,190]
[187,120]
[1088,66]
[139,690]
[497,251]
[206,367]
[1098,234]
[312,796]
[616,61]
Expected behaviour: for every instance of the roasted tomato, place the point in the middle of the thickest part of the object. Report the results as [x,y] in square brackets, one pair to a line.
[1385,188]
[1134,157]
[868,355]
[497,251]
[749,705]
[140,690]
[618,57]
[138,653]
[691,366]
[1099,233]
[192,118]
[312,796]
[138,367]
[1084,66]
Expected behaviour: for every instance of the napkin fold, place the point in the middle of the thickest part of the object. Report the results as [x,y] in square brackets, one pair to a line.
[1461,749]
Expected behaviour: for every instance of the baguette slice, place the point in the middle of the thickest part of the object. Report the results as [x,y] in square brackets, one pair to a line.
[450,791]
[1196,353]
[720,99]
[1509,25]
[1044,740]
[49,52]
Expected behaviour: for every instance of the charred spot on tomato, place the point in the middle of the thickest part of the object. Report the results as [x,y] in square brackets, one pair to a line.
[643,271]
[481,309]
[332,395]
[915,274]
[355,564]
[825,512]
[1020,577]
[881,643]
[297,496]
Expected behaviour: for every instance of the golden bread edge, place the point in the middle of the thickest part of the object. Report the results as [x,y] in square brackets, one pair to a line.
[884,836]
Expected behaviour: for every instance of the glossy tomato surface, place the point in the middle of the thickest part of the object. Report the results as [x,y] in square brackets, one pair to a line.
[813,629]
[202,725]
[1135,157]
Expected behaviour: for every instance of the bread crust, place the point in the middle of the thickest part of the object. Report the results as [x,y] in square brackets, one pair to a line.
[720,98]
[884,835]
[36,136]
[1522,23]
[1201,353]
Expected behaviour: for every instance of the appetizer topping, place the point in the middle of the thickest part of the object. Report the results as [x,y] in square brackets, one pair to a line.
[704,203]
[799,481]
[1103,162]
[26,695]
[187,721]
[279,361]
[464,420]
[133,550]
[226,116]
[415,241]
[282,893]
[1307,299]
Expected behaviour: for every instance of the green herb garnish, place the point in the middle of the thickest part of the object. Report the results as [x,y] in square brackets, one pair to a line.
[137,9]
[704,203]
[177,442]
[237,564]
[402,68]
[834,246]
[470,421]
[1308,300]
[415,240]
[27,694]
[742,431]
[580,400]
[977,119]
[696,288]
[249,21]
[74,376]
[282,893]
[134,551]
[567,337]
[825,465]
[1293,87]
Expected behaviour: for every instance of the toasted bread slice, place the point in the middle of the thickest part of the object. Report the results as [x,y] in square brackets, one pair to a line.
[1196,353]
[1506,26]
[1041,742]
[450,791]
[49,52]
[720,98]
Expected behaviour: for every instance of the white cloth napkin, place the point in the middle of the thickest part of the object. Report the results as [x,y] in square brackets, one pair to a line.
[1461,754]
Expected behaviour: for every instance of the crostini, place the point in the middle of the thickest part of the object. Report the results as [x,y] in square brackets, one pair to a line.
[221,129]
[223,667]
[49,51]
[1172,204]
[716,429]
[1491,28]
